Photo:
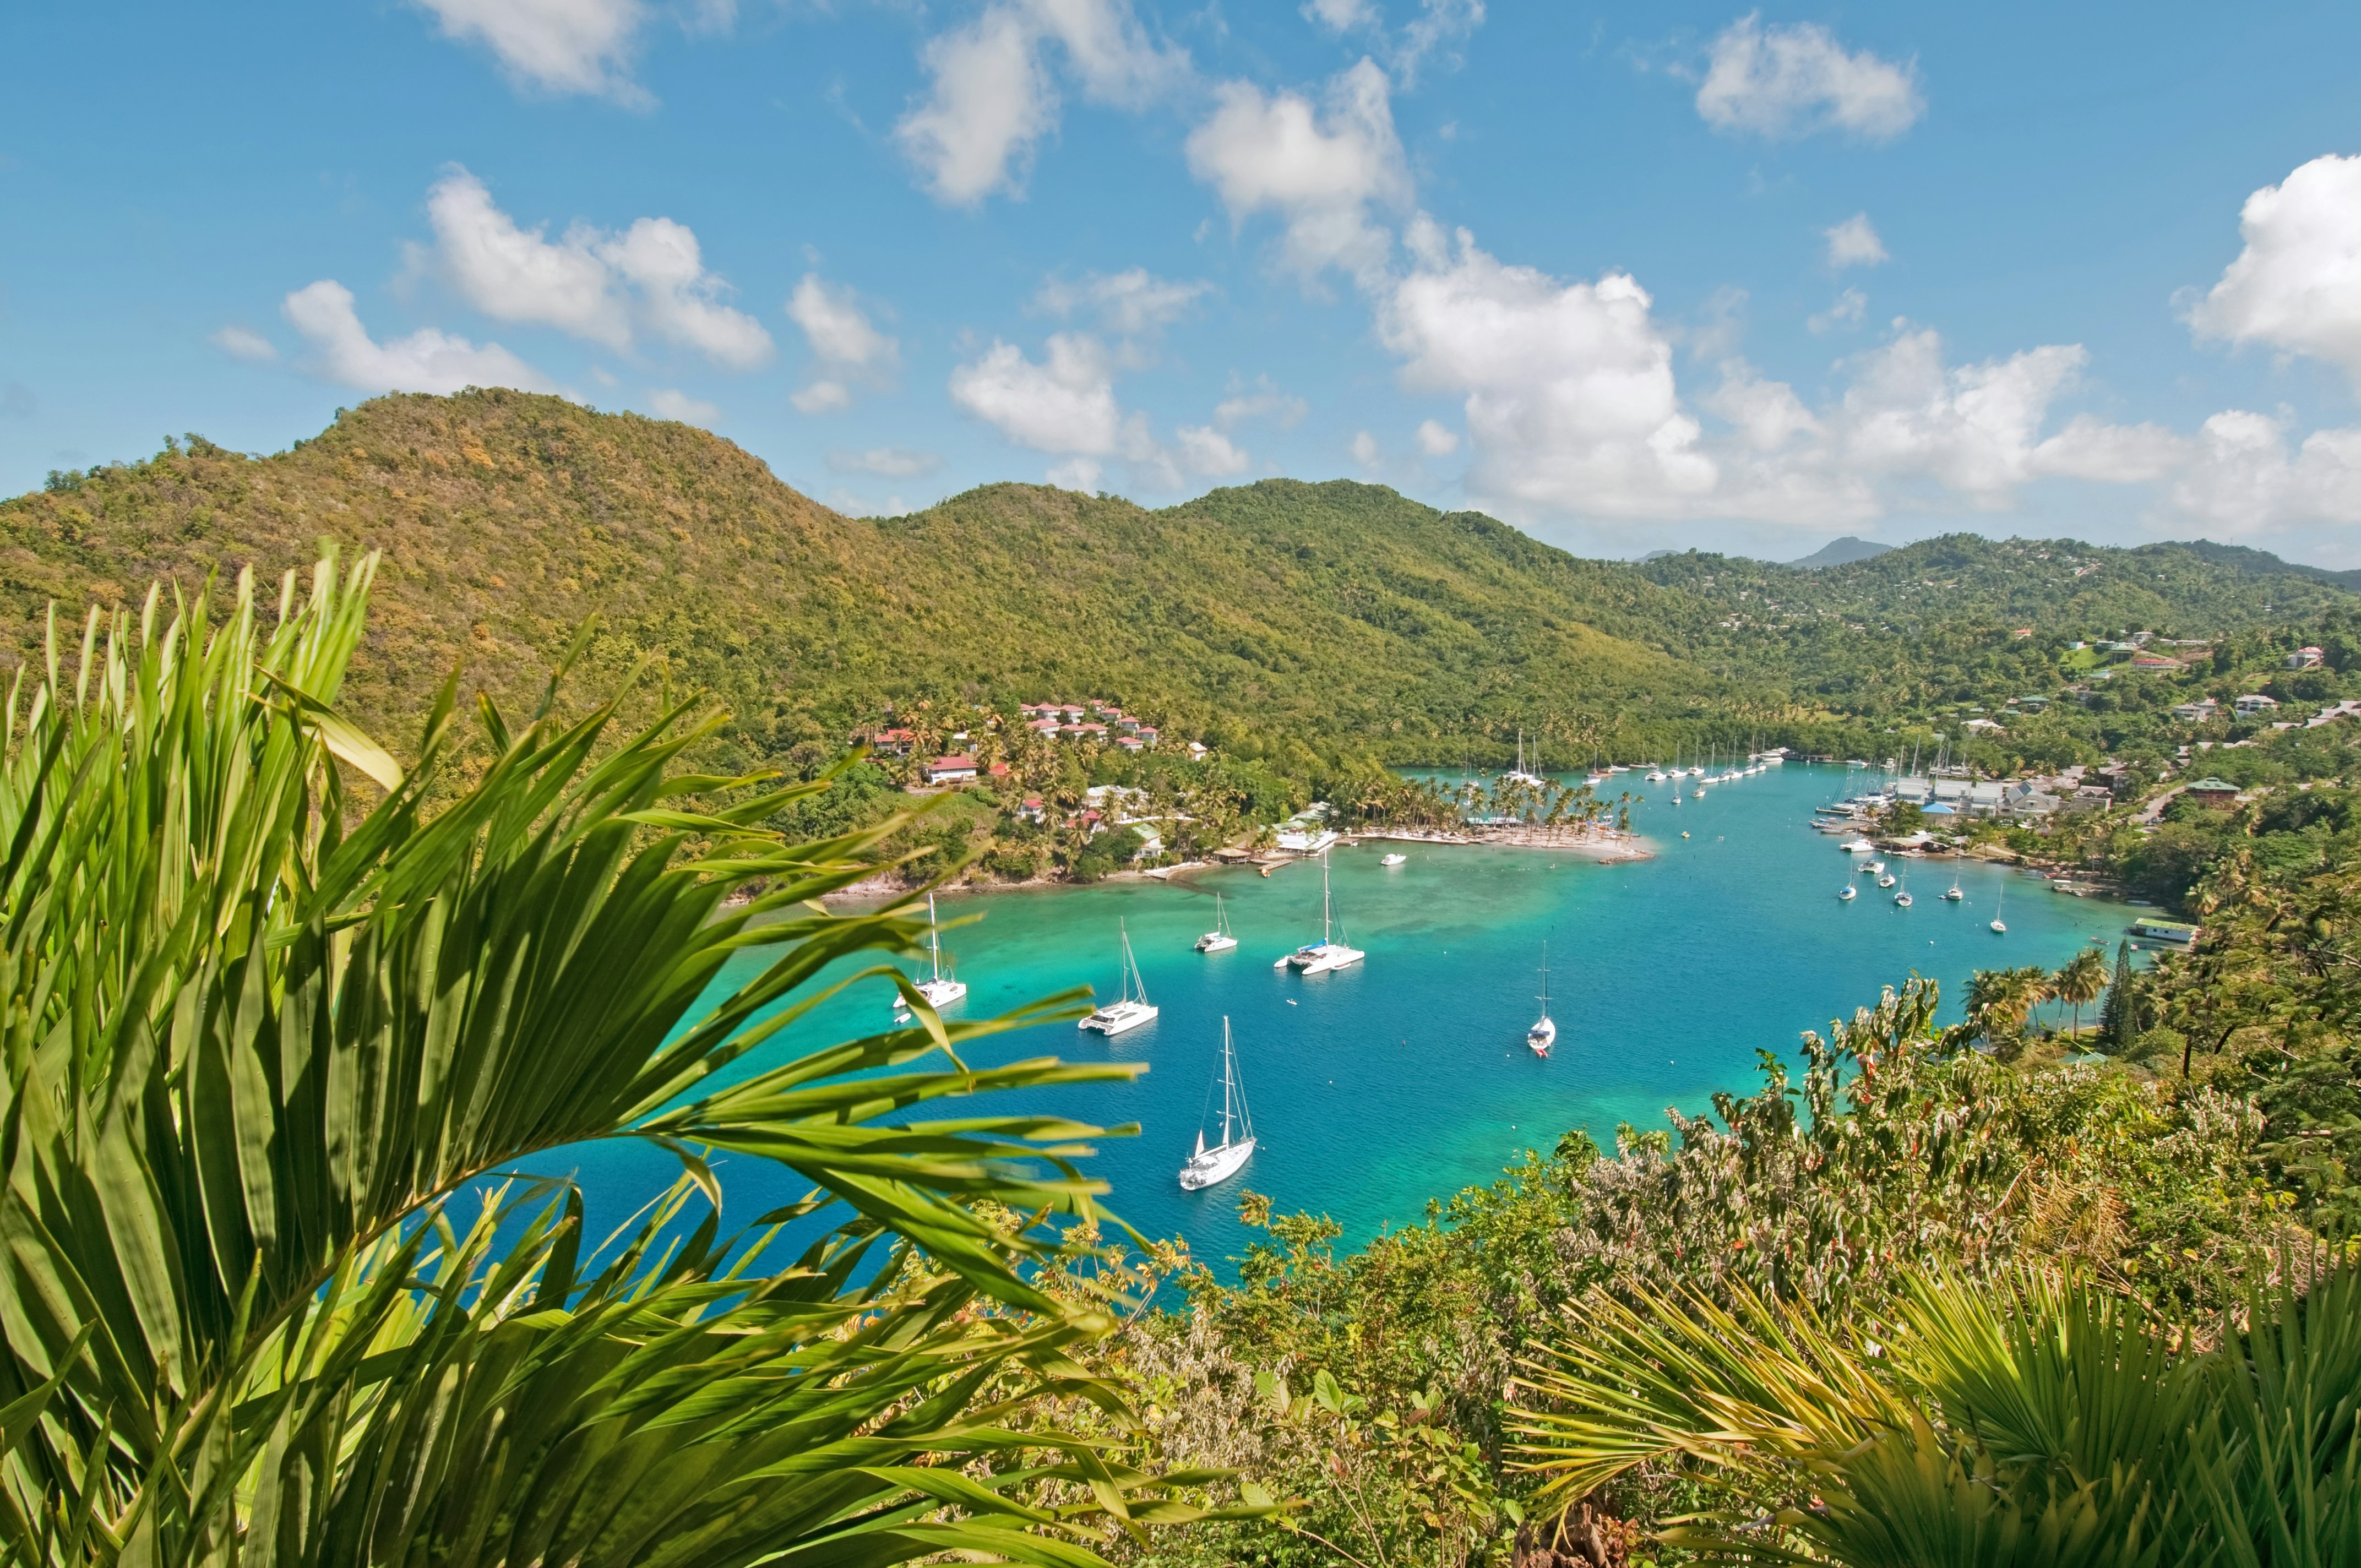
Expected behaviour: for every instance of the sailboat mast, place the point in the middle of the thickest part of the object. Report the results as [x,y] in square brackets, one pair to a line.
[1229,1077]
[1323,890]
[934,938]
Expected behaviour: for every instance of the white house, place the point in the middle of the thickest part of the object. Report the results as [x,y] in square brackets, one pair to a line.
[2255,702]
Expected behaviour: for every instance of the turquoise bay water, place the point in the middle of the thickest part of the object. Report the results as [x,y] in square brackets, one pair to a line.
[1405,1077]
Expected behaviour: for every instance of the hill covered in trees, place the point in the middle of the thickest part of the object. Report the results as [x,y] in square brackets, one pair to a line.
[1307,623]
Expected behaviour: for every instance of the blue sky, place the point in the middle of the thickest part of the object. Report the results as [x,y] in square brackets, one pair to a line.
[1630,277]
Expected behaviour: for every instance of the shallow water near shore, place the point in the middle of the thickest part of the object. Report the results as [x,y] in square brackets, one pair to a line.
[1405,1077]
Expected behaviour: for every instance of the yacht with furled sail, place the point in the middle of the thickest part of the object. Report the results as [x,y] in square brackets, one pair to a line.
[1327,953]
[2000,927]
[940,989]
[1543,1034]
[1219,939]
[1208,1167]
[1130,1010]
[1518,774]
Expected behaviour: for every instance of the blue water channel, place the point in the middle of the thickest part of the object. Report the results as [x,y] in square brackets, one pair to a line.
[1377,1087]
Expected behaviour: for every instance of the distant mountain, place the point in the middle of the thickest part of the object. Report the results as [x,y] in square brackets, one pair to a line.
[1842,551]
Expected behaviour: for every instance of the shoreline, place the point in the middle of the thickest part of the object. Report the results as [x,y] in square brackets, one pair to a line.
[1608,849]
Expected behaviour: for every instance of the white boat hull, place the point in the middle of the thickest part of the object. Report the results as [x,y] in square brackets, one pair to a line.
[1542,1036]
[1321,959]
[1393,860]
[1118,1019]
[1215,1166]
[1216,942]
[941,994]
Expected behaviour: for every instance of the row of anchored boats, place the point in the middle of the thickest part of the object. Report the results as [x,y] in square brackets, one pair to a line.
[1953,894]
[1207,1164]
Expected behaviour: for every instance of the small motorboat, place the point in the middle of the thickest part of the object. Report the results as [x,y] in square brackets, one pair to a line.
[1393,860]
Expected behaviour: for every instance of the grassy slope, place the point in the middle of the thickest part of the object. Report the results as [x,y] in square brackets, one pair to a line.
[1334,611]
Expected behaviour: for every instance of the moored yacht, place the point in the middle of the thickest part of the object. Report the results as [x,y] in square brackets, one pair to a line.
[1219,939]
[1207,1167]
[1130,1010]
[940,989]
[1327,953]
[1857,847]
[1847,894]
[1543,1034]
[1394,860]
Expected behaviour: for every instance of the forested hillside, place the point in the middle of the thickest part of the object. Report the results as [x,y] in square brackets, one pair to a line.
[1307,623]
[1335,614]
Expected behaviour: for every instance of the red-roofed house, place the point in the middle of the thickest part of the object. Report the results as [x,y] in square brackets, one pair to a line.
[997,770]
[1147,735]
[891,742]
[951,770]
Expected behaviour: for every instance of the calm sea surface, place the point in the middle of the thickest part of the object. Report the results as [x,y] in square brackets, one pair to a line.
[1407,1076]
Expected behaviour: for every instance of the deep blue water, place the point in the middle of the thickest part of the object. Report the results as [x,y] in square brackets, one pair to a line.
[1405,1077]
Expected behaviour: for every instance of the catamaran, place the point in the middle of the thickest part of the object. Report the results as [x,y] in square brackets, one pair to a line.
[1327,953]
[1219,939]
[1543,1034]
[1208,1167]
[940,989]
[1130,1010]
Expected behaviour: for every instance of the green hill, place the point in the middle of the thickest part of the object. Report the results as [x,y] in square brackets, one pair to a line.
[1341,616]
[1291,621]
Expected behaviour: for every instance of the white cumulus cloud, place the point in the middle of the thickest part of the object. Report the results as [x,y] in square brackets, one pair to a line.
[847,349]
[1063,403]
[605,288]
[244,343]
[556,46]
[1437,439]
[1365,449]
[992,95]
[1319,167]
[1854,243]
[670,402]
[1205,450]
[2296,287]
[1568,387]
[1795,80]
[425,361]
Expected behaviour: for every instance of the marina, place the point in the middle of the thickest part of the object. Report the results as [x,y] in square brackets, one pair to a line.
[1384,1083]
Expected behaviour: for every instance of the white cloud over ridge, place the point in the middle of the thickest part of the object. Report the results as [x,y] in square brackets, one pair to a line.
[992,95]
[555,46]
[1574,412]
[2296,287]
[847,349]
[1063,404]
[425,361]
[1792,81]
[670,402]
[1320,167]
[605,288]
[885,462]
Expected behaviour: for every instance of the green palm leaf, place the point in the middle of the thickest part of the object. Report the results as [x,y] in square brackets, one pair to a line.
[259,1042]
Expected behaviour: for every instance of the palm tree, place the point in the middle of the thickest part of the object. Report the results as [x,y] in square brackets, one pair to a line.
[274,1056]
[2080,983]
[1999,1001]
[2028,1421]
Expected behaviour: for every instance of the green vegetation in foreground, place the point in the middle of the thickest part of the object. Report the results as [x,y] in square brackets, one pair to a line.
[1948,1297]
[269,1043]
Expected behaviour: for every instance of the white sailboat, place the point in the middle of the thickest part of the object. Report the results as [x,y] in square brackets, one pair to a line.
[1999,927]
[1327,953]
[940,989]
[1954,896]
[1130,1010]
[1902,899]
[1207,1167]
[1219,939]
[1519,775]
[1847,895]
[1543,1034]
